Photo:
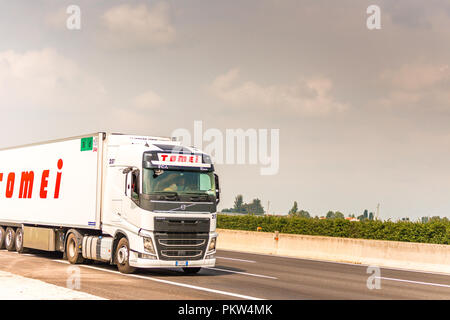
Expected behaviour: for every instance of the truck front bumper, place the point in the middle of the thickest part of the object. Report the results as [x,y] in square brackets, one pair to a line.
[137,262]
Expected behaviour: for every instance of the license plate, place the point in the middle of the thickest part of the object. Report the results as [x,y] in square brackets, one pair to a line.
[181,263]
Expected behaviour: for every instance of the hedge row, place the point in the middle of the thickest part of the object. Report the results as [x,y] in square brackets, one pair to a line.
[431,232]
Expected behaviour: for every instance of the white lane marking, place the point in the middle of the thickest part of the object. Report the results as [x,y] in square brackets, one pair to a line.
[245,273]
[170,282]
[417,282]
[234,259]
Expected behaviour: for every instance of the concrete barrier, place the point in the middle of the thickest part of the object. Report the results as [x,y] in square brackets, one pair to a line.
[393,254]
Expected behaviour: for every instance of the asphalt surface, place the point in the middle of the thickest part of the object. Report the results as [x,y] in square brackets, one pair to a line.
[237,275]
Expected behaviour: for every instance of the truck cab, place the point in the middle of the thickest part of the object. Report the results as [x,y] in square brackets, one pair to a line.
[159,206]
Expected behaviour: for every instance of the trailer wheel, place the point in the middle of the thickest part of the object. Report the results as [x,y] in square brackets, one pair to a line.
[2,237]
[191,270]
[19,241]
[73,254]
[123,257]
[10,239]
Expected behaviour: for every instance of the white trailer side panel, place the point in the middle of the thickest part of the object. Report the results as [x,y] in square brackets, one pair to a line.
[39,169]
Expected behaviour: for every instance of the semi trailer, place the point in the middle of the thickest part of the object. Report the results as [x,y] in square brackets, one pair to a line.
[131,201]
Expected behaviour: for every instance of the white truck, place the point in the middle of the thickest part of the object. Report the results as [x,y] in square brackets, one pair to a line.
[132,201]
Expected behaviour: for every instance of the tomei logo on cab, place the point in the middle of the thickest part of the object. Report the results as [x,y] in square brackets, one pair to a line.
[179,158]
[27,181]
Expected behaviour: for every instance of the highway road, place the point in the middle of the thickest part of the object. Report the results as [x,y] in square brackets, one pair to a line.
[237,275]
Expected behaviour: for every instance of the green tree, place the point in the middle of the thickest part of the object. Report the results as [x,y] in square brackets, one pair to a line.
[330,215]
[254,207]
[303,214]
[366,214]
[339,215]
[238,203]
[294,209]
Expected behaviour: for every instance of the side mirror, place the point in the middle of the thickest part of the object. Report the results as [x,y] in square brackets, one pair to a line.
[128,183]
[216,178]
[131,183]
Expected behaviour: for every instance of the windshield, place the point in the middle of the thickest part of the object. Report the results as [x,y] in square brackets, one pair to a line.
[181,182]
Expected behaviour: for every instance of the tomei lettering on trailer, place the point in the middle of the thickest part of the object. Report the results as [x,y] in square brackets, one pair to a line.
[27,179]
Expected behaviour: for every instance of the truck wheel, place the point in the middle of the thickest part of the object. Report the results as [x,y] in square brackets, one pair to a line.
[10,239]
[73,254]
[191,270]
[2,237]
[19,241]
[123,257]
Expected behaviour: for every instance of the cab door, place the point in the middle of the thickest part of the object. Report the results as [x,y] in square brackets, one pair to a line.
[131,194]
[118,195]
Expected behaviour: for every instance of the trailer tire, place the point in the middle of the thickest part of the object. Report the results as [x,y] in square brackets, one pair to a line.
[10,239]
[192,270]
[74,255]
[2,238]
[122,257]
[19,241]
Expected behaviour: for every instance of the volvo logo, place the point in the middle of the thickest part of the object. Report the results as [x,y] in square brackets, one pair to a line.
[183,207]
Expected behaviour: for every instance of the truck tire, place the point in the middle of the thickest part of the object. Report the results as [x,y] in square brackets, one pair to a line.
[10,239]
[73,253]
[19,241]
[123,257]
[191,270]
[2,238]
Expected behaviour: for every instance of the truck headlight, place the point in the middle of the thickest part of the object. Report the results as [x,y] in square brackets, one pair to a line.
[212,245]
[148,243]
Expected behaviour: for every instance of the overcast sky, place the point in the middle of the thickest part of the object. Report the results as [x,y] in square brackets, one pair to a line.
[363,114]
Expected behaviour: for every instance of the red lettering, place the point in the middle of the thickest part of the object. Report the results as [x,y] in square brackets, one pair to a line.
[1,176]
[173,158]
[10,185]
[44,184]
[182,158]
[191,159]
[58,179]
[26,184]
[164,156]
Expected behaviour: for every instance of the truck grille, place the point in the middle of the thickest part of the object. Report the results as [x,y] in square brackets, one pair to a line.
[183,254]
[181,242]
[177,246]
[182,225]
